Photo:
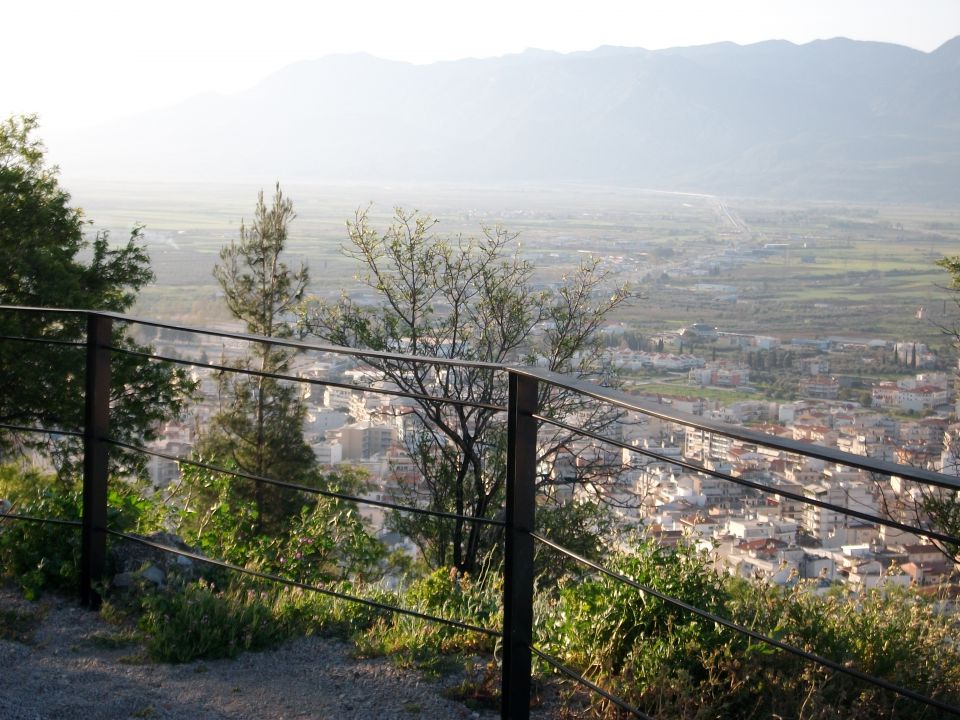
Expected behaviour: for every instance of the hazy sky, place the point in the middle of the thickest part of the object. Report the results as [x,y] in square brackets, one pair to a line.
[79,63]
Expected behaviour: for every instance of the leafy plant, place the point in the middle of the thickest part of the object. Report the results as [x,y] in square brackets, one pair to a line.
[326,540]
[432,646]
[40,556]
[198,621]
[672,663]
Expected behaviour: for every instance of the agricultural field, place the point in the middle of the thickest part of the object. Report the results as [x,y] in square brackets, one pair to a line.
[741,265]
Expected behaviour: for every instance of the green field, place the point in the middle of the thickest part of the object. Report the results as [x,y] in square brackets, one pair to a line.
[837,269]
[681,388]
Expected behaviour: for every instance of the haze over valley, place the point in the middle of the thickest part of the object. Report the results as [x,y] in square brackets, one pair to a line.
[637,364]
[827,120]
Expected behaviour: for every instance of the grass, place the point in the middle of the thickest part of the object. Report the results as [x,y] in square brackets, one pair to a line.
[707,393]
[20,624]
[115,640]
[148,711]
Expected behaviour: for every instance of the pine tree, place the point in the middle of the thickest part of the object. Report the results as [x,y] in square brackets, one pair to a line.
[259,428]
[48,260]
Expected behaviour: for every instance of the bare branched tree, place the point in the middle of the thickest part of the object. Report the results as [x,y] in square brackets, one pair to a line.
[473,300]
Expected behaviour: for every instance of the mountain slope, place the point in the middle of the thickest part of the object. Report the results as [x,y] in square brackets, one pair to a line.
[829,119]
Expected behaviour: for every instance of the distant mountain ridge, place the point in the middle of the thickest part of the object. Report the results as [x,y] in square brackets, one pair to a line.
[831,119]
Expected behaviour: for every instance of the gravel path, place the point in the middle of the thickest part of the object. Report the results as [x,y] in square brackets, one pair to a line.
[62,667]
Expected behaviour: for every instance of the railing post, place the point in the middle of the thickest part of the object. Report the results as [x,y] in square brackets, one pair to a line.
[518,554]
[93,548]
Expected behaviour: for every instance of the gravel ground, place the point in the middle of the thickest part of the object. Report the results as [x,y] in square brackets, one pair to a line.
[58,665]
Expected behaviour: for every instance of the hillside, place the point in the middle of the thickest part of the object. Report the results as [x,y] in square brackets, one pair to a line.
[833,119]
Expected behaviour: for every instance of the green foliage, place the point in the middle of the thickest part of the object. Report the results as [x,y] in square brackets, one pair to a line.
[258,286]
[259,428]
[952,265]
[939,504]
[671,663]
[943,507]
[198,621]
[470,299]
[429,645]
[19,625]
[605,621]
[50,261]
[665,660]
[325,540]
[582,527]
[40,556]
[46,556]
[329,615]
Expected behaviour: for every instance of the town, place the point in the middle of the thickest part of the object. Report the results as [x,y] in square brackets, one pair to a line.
[910,420]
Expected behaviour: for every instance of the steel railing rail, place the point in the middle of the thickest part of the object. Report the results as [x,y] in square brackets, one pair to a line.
[39,309]
[820,452]
[305,488]
[712,617]
[30,518]
[523,421]
[309,381]
[44,341]
[40,431]
[766,489]
[305,586]
[278,342]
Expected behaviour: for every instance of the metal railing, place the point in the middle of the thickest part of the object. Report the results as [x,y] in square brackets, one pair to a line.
[524,421]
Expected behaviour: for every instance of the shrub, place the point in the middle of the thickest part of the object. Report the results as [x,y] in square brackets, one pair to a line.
[324,614]
[672,663]
[443,593]
[46,556]
[325,541]
[198,621]
[39,556]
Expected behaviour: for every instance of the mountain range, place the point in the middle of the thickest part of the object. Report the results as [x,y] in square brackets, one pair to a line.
[831,119]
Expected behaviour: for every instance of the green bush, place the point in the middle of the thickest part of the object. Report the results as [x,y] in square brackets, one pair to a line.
[672,663]
[319,613]
[40,556]
[432,645]
[325,541]
[46,556]
[664,659]
[898,635]
[198,621]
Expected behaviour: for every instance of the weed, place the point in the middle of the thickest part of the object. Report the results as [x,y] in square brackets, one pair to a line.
[115,640]
[480,692]
[197,620]
[19,625]
[672,664]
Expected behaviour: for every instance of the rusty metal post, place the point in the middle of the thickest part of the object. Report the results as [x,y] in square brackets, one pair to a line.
[93,550]
[518,554]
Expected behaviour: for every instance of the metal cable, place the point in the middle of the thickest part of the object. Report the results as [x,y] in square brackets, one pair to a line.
[813,657]
[932,534]
[306,586]
[572,674]
[626,402]
[306,488]
[44,341]
[29,518]
[310,381]
[24,428]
